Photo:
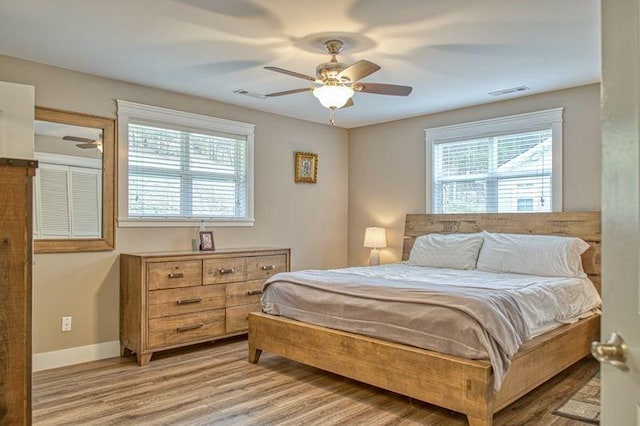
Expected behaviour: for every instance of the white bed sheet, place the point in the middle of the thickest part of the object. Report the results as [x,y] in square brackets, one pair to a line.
[546,302]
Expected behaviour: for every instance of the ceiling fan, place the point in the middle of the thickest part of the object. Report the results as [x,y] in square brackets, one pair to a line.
[339,81]
[85,143]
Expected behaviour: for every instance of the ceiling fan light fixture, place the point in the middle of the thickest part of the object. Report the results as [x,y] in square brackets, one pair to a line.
[339,81]
[333,96]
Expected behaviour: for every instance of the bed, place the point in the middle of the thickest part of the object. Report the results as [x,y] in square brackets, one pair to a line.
[464,385]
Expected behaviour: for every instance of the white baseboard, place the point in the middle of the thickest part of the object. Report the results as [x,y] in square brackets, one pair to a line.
[77,355]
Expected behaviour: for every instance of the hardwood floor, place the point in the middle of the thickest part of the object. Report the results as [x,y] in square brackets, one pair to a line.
[214,384]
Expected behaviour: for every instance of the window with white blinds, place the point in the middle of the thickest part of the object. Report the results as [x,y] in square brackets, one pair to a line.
[510,164]
[183,168]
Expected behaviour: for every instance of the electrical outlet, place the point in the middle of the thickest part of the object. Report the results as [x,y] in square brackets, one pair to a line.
[66,323]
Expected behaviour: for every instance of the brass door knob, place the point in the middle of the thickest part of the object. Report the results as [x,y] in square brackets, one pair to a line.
[613,351]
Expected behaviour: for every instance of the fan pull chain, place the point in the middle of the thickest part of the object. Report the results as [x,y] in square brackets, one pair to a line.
[332,116]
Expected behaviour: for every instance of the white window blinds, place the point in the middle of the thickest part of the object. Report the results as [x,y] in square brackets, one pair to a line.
[505,173]
[175,173]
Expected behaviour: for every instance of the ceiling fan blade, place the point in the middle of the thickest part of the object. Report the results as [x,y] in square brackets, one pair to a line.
[291,73]
[87,145]
[382,89]
[359,70]
[288,92]
[348,104]
[78,139]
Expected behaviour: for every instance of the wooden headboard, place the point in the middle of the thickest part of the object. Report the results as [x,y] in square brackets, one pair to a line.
[585,225]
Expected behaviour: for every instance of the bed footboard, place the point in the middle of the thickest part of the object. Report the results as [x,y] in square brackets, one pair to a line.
[458,384]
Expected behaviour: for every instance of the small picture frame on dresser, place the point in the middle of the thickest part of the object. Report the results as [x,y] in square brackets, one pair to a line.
[206,241]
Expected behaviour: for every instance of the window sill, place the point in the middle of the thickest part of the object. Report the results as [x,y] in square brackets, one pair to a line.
[183,223]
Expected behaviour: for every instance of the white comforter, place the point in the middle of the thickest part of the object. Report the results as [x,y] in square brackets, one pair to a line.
[544,301]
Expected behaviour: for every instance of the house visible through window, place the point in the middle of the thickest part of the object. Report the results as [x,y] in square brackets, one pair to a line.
[525,204]
[183,168]
[511,164]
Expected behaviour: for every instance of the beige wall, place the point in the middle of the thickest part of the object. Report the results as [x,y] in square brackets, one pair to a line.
[387,163]
[16,122]
[310,219]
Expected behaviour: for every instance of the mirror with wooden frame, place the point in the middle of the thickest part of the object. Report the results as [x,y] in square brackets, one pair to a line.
[74,189]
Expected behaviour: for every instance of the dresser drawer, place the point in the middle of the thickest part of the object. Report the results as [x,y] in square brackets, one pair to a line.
[262,267]
[182,273]
[244,293]
[185,328]
[238,317]
[220,271]
[175,301]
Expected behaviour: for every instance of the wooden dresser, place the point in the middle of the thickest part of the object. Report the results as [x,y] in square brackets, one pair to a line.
[172,299]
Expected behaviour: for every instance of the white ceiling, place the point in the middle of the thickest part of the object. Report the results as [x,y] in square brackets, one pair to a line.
[453,52]
[60,130]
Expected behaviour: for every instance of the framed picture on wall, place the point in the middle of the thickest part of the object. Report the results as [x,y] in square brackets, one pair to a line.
[206,241]
[306,167]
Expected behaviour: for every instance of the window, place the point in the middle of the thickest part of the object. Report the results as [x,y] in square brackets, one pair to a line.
[507,164]
[525,204]
[182,168]
[68,189]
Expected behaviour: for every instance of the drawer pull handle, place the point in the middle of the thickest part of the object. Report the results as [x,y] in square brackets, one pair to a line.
[268,267]
[190,327]
[254,292]
[189,301]
[223,271]
[175,275]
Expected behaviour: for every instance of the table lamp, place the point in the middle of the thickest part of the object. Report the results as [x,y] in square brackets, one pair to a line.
[375,238]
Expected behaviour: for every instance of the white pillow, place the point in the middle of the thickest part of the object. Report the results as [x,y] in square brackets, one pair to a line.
[455,251]
[543,255]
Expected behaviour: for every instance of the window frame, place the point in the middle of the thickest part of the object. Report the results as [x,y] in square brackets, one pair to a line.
[190,122]
[551,118]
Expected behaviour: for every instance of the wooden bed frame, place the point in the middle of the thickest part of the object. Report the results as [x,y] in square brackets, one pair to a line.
[459,384]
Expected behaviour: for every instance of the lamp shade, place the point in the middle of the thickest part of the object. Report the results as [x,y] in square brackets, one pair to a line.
[333,96]
[375,237]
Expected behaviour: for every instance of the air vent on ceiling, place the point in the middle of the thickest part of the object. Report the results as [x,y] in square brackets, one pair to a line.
[508,91]
[249,93]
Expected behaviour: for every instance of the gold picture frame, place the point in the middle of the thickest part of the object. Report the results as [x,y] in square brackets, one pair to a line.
[306,167]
